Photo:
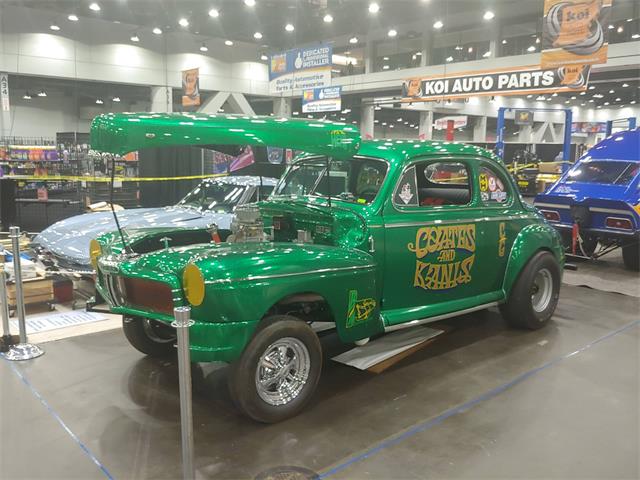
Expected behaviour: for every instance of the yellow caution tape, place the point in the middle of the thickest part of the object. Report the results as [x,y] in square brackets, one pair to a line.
[80,178]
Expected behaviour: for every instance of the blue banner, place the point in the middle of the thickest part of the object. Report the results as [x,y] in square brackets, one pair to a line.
[300,68]
[327,99]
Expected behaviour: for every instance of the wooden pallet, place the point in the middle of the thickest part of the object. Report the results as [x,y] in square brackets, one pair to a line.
[35,291]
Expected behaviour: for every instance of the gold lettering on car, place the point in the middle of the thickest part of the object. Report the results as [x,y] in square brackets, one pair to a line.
[502,239]
[444,256]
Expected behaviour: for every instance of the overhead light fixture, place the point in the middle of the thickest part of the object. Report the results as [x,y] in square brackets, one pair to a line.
[289,27]
[486,54]
[392,33]
[583,93]
[183,22]
[99,101]
[629,19]
[257,35]
[635,36]
[95,7]
[135,38]
[385,58]
[625,85]
[567,102]
[54,27]
[27,96]
[573,97]
[214,13]
[228,43]
[529,96]
[610,27]
[377,107]
[489,15]
[541,98]
[537,40]
[504,42]
[264,58]
[296,113]
[632,102]
[385,67]
[606,103]
[353,40]
[42,93]
[531,49]
[618,99]
[554,94]
[438,24]
[204,48]
[449,59]
[612,91]
[592,87]
[620,29]
[328,18]
[116,99]
[418,54]
[459,47]
[374,7]
[399,120]
[73,18]
[470,49]
[157,31]
[250,3]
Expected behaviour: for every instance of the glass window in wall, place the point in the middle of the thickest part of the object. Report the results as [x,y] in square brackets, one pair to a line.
[398,54]
[461,53]
[348,61]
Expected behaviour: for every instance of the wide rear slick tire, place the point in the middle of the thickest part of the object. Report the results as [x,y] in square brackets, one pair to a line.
[278,371]
[534,296]
[631,256]
[150,337]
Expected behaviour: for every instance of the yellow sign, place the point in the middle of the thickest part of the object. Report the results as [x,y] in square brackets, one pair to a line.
[502,240]
[444,256]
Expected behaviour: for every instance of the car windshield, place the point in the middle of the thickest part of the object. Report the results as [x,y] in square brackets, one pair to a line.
[603,171]
[214,196]
[356,180]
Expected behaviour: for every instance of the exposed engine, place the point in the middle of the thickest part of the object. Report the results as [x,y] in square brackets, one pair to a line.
[247,225]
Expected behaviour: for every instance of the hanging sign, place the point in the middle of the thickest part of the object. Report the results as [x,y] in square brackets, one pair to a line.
[322,100]
[191,87]
[513,81]
[4,92]
[574,32]
[523,117]
[300,69]
[459,121]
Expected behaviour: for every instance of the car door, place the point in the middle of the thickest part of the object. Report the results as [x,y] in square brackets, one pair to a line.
[431,228]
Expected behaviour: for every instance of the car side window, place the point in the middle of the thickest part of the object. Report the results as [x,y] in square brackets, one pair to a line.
[494,190]
[406,192]
[428,184]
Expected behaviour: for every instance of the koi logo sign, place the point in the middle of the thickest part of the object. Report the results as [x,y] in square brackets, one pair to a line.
[444,256]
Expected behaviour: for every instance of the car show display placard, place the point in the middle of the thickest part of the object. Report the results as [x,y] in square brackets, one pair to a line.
[513,81]
[300,69]
[574,32]
[326,99]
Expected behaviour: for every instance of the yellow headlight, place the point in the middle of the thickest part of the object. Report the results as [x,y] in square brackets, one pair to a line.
[94,252]
[193,284]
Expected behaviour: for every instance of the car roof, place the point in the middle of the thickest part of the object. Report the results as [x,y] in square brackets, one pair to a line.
[252,180]
[619,146]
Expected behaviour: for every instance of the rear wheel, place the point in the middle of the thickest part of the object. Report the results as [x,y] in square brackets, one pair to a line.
[278,371]
[631,256]
[534,296]
[151,337]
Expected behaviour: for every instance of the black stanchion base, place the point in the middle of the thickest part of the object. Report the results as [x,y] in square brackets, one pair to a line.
[6,341]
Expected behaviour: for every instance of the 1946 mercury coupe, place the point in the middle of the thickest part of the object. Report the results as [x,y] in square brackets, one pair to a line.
[374,236]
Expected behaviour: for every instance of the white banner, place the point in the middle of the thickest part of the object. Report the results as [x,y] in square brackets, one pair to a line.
[4,92]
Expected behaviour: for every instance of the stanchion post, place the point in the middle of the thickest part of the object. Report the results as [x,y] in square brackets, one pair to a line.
[7,340]
[182,322]
[23,350]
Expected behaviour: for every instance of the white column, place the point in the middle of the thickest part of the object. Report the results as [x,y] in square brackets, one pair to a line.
[161,99]
[282,106]
[480,129]
[425,130]
[369,55]
[366,119]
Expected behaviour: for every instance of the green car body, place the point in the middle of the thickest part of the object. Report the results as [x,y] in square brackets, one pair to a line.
[369,265]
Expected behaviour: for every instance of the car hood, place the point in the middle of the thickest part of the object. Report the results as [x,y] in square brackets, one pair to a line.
[69,239]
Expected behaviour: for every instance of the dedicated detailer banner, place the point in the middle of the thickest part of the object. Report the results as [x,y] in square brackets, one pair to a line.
[519,81]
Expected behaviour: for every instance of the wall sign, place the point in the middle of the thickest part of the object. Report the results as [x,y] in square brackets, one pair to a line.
[514,81]
[459,121]
[523,117]
[191,87]
[326,99]
[4,92]
[575,32]
[300,69]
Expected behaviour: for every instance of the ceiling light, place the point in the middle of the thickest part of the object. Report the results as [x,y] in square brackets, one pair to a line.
[42,93]
[157,31]
[625,85]
[529,96]
[438,25]
[214,13]
[541,98]
[385,67]
[26,96]
[592,87]
[54,27]
[573,97]
[504,42]
[99,101]
[449,59]
[610,27]
[531,49]
[459,47]
[328,18]
[470,50]
[377,107]
[419,54]
[289,27]
[250,3]
[629,19]
[385,58]
[583,93]
[635,36]
[537,39]
[606,103]
[489,15]
[257,35]
[487,54]
[135,38]
[228,43]
[392,33]
[183,22]
[612,91]
[95,7]
[353,40]
[116,99]
[620,29]
[203,48]
[618,99]
[73,18]
[374,7]
[555,94]
[632,102]
[567,102]
[264,58]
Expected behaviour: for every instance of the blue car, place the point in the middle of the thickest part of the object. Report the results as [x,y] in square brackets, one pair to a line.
[597,202]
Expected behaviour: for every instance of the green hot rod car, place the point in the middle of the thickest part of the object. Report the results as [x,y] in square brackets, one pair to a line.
[373,236]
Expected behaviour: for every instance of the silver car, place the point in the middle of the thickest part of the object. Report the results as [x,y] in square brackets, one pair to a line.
[211,202]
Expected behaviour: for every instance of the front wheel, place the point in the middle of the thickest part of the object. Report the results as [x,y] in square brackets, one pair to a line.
[151,337]
[278,371]
[631,256]
[534,296]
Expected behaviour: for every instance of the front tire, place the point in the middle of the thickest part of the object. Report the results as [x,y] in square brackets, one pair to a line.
[278,371]
[150,337]
[631,256]
[534,296]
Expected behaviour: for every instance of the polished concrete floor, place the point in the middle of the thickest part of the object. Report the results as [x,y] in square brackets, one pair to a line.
[484,401]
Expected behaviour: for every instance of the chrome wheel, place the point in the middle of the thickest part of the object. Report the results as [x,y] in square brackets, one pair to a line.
[158,332]
[542,290]
[283,371]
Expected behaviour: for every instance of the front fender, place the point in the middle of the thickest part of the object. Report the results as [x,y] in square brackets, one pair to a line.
[530,240]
